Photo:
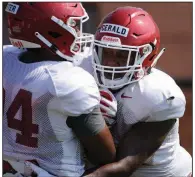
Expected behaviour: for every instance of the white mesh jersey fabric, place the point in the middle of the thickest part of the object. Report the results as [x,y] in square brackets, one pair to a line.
[146,100]
[151,99]
[43,95]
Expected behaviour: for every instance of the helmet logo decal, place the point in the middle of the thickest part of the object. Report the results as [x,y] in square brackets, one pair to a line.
[23,44]
[114,29]
[12,8]
[111,40]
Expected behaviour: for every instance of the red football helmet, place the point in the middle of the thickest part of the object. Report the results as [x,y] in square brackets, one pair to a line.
[55,26]
[133,31]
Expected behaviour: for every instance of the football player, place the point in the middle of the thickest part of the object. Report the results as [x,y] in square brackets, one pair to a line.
[51,106]
[150,103]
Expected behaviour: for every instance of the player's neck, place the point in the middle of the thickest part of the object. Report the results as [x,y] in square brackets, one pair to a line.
[39,56]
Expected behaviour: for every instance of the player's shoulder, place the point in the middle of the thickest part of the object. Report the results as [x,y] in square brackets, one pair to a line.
[68,78]
[10,49]
[156,97]
[11,55]
[158,86]
[75,87]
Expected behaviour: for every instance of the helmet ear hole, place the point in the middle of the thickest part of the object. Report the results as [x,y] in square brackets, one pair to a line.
[54,34]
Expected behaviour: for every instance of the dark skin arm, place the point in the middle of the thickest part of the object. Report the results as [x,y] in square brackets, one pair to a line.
[98,143]
[139,144]
[100,148]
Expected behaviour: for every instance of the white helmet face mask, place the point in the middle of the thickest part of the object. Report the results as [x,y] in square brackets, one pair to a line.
[83,43]
[117,76]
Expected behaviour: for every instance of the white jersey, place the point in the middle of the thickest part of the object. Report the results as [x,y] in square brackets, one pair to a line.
[38,98]
[156,97]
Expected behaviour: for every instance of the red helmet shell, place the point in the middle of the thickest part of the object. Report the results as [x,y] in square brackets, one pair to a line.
[36,17]
[141,29]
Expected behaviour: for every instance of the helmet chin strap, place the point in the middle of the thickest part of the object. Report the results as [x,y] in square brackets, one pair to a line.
[157,58]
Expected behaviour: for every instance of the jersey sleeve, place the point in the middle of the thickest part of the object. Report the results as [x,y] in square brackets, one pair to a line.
[153,99]
[11,48]
[75,90]
[168,100]
[7,48]
[170,109]
[87,124]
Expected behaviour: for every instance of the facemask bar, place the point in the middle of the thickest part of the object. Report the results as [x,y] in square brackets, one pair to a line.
[130,70]
[157,58]
[99,73]
[49,44]
[80,44]
[84,39]
[72,21]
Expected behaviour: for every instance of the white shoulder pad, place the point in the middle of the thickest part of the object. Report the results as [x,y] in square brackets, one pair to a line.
[165,96]
[11,48]
[169,109]
[74,89]
[8,47]
[156,97]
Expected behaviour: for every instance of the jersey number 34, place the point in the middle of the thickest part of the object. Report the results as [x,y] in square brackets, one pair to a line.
[23,99]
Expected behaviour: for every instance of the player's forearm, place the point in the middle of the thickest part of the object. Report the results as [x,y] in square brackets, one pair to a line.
[122,168]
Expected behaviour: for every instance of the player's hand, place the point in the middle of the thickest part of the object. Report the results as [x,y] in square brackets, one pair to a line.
[36,171]
[108,106]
